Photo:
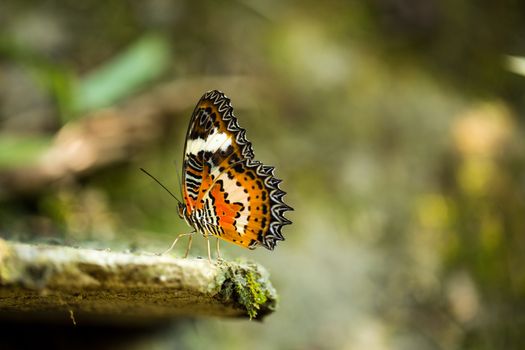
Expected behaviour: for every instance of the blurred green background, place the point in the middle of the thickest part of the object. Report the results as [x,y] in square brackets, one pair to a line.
[396,126]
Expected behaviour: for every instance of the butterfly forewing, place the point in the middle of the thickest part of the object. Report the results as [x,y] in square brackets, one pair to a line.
[213,142]
[227,193]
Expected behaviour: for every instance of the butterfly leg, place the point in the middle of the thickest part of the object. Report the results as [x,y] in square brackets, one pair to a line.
[175,242]
[208,244]
[189,246]
[218,249]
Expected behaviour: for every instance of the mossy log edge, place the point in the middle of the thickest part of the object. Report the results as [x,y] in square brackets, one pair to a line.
[57,282]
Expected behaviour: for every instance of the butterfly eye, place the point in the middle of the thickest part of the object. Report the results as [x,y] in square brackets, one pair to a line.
[182,210]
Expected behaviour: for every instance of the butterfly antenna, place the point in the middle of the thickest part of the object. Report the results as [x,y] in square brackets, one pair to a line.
[164,187]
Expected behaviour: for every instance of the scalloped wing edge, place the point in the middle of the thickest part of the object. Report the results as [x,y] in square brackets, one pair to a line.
[224,106]
[277,206]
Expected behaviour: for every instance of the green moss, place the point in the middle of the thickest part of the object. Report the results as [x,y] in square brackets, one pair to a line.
[247,285]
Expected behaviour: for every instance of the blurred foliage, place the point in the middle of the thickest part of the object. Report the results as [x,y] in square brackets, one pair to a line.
[143,62]
[397,128]
[16,151]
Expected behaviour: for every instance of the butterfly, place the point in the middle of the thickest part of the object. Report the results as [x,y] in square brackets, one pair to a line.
[226,192]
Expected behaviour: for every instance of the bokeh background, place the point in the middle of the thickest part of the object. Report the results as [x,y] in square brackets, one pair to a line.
[396,126]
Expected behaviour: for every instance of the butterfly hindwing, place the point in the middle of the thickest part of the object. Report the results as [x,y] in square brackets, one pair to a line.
[253,190]
[229,194]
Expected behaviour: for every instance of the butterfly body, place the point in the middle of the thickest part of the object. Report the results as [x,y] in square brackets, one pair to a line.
[227,193]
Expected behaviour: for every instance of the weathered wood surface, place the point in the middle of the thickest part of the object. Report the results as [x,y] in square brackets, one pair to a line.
[76,285]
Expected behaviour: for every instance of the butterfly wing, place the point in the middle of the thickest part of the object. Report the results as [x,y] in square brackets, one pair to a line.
[237,197]
[214,141]
[248,205]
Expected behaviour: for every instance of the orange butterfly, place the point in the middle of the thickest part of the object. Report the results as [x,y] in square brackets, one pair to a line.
[227,194]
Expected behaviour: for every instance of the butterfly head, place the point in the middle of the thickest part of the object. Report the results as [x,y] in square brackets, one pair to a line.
[182,210]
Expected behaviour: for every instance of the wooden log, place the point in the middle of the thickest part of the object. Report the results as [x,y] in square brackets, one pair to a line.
[65,284]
